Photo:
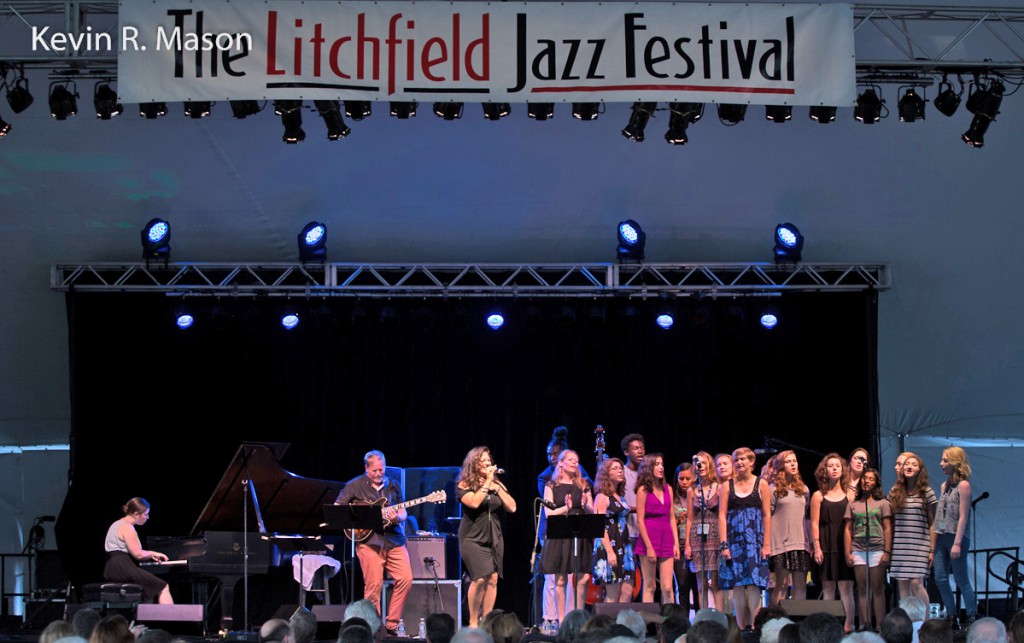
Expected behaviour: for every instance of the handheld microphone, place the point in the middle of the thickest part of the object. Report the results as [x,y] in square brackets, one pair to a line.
[499,470]
[696,461]
[766,451]
[548,503]
[429,560]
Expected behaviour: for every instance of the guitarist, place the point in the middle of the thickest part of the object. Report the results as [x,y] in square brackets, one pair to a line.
[386,551]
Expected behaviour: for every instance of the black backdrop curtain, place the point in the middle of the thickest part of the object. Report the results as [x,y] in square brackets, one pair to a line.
[158,412]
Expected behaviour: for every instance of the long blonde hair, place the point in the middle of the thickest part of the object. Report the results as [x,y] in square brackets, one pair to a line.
[898,494]
[783,485]
[578,479]
[961,467]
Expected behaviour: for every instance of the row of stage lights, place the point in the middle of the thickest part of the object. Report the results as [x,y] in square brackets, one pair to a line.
[983,101]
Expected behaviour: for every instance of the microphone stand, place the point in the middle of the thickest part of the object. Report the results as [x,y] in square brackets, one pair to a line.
[868,611]
[974,534]
[703,529]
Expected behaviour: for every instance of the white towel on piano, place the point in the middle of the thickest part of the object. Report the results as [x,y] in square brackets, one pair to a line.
[304,568]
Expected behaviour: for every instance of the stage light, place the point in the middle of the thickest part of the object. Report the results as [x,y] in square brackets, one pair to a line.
[665,321]
[448,111]
[330,111]
[984,103]
[910,106]
[789,243]
[313,242]
[823,114]
[244,108]
[357,110]
[540,111]
[290,112]
[975,134]
[289,320]
[495,321]
[183,319]
[681,115]
[63,99]
[104,99]
[948,100]
[198,109]
[496,111]
[769,320]
[403,109]
[634,129]
[152,111]
[18,96]
[869,107]
[731,113]
[4,127]
[156,240]
[778,113]
[586,111]
[632,240]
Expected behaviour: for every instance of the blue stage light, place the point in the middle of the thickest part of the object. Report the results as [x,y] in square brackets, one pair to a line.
[313,242]
[290,321]
[184,321]
[789,243]
[632,240]
[769,321]
[495,321]
[665,321]
[156,240]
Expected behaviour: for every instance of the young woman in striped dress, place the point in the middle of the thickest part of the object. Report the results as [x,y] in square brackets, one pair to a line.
[913,508]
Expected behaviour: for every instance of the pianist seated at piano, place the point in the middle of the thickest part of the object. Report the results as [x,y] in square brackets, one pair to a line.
[125,552]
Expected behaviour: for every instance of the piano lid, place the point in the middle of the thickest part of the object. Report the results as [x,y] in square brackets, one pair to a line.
[288,503]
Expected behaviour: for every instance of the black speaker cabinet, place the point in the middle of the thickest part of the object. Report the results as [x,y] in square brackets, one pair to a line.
[426,598]
[328,621]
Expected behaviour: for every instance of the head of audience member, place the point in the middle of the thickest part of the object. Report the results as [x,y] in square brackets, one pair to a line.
[276,630]
[865,636]
[113,629]
[632,620]
[1015,631]
[711,614]
[598,622]
[896,626]
[366,610]
[622,638]
[74,638]
[303,625]
[986,630]
[571,625]
[597,635]
[936,630]
[790,633]
[735,633]
[707,631]
[355,630]
[155,636]
[915,608]
[770,629]
[440,627]
[56,630]
[820,628]
[766,614]
[472,635]
[84,621]
[672,628]
[672,609]
[503,626]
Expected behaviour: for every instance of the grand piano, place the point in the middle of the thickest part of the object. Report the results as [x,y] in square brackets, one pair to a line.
[256,511]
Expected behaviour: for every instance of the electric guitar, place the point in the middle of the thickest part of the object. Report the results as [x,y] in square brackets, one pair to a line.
[360,535]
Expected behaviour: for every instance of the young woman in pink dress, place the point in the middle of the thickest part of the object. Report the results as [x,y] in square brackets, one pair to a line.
[658,544]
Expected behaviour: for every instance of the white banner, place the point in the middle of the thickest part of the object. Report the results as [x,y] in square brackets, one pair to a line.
[176,50]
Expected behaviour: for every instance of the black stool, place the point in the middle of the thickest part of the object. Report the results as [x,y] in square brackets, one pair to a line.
[109,596]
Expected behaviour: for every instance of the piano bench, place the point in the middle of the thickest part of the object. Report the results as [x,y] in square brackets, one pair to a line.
[108,595]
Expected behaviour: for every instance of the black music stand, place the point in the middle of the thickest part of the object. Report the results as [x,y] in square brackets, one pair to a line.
[341,518]
[577,527]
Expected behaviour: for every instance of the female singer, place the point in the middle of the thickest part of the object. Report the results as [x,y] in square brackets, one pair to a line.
[570,494]
[867,539]
[952,543]
[124,551]
[613,557]
[859,460]
[744,519]
[658,544]
[789,550]
[913,508]
[828,511]
[702,541]
[480,539]
[683,481]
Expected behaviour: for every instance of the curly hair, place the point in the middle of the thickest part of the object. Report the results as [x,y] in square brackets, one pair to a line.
[898,494]
[876,493]
[645,474]
[821,473]
[604,483]
[782,482]
[961,467]
[469,476]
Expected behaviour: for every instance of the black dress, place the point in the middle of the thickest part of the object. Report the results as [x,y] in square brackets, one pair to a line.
[557,555]
[480,540]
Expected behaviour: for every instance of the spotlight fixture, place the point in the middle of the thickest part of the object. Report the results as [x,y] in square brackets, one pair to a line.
[197,109]
[330,111]
[632,240]
[152,111]
[495,321]
[357,110]
[4,127]
[313,242]
[947,100]
[681,115]
[104,99]
[634,129]
[665,321]
[156,240]
[789,243]
[540,111]
[910,106]
[586,111]
[778,113]
[984,103]
[63,100]
[18,96]
[769,320]
[183,319]
[869,107]
[403,109]
[448,111]
[731,113]
[290,112]
[289,320]
[496,111]
[823,114]
[244,108]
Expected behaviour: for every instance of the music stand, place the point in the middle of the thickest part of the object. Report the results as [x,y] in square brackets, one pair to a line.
[341,518]
[577,527]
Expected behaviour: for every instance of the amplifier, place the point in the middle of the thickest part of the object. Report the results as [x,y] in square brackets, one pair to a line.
[426,598]
[442,550]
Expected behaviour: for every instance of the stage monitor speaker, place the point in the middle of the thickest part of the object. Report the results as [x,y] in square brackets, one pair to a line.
[798,608]
[176,619]
[423,547]
[425,599]
[613,609]
[328,621]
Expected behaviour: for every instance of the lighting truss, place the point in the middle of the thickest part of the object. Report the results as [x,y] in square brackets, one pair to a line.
[471,280]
